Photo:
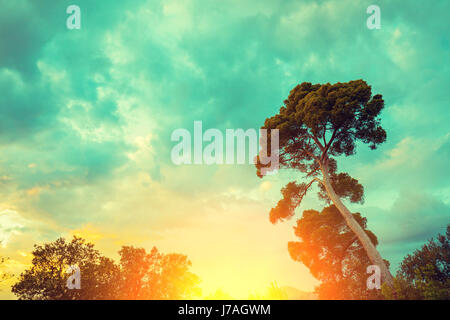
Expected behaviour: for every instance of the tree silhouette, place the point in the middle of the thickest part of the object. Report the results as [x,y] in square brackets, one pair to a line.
[333,254]
[316,124]
[138,275]
[155,275]
[46,279]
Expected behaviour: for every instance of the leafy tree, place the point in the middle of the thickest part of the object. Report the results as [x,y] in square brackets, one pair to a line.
[46,279]
[156,276]
[333,254]
[317,124]
[138,275]
[425,274]
[176,281]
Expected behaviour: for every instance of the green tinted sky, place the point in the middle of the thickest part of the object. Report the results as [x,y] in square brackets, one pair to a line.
[86,117]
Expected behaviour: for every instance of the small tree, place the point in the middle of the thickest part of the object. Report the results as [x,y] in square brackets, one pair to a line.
[139,275]
[46,279]
[155,275]
[316,124]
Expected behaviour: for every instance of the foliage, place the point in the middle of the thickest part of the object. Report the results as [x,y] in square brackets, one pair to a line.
[317,124]
[293,193]
[47,276]
[424,274]
[138,276]
[318,121]
[333,254]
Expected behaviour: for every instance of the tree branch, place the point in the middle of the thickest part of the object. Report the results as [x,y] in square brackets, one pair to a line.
[327,146]
[321,147]
[319,181]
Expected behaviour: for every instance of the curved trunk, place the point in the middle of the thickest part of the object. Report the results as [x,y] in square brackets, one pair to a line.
[371,251]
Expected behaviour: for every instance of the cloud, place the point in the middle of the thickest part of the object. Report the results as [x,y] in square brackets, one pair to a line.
[414,162]
[11,224]
[415,217]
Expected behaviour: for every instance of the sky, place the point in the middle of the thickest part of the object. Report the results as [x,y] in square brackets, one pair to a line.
[86,118]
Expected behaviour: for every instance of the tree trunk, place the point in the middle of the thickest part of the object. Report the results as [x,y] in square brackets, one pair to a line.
[371,251]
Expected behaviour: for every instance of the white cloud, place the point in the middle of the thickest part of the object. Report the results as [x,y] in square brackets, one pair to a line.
[11,224]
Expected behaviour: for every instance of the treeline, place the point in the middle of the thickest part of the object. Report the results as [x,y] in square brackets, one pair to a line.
[138,274]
